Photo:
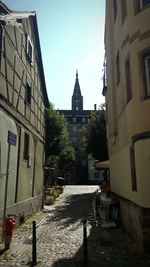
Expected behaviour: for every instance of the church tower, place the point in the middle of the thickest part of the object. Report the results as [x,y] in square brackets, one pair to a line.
[77,98]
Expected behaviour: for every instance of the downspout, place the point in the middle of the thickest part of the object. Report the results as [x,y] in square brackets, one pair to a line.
[18,161]
[34,165]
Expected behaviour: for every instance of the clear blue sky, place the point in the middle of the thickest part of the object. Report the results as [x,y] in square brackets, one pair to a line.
[72,37]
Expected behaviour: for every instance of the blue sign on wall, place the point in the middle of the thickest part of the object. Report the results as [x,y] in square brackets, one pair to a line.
[12,138]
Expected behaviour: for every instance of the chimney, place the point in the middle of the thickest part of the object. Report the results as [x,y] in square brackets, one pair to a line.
[95,108]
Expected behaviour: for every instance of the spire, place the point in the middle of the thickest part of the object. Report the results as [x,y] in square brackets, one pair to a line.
[77,74]
[77,98]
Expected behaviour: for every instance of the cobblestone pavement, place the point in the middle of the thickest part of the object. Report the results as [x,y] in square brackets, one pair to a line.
[60,237]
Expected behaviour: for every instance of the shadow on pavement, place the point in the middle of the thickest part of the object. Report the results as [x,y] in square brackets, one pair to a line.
[74,209]
[106,247]
[120,250]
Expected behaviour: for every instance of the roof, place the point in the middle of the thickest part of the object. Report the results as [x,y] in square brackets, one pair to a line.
[4,8]
[76,113]
[77,90]
[11,16]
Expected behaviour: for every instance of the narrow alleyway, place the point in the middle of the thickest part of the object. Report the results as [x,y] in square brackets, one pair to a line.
[60,236]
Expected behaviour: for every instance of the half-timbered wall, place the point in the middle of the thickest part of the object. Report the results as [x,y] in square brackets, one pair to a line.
[22,102]
[17,72]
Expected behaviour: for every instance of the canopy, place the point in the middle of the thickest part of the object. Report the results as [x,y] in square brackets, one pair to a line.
[102,164]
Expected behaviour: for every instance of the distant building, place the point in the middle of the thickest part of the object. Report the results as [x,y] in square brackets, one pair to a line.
[77,119]
[23,100]
[127,92]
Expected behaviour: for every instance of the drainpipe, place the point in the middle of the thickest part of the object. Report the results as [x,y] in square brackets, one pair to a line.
[34,166]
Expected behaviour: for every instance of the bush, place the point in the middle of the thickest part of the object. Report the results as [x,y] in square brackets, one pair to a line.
[50,194]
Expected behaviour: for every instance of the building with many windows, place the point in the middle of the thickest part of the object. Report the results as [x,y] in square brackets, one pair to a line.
[127,92]
[77,119]
[23,100]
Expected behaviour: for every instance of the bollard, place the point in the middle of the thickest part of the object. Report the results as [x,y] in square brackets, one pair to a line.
[85,247]
[34,261]
[94,208]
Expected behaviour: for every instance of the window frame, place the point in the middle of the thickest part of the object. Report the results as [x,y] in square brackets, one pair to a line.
[145,89]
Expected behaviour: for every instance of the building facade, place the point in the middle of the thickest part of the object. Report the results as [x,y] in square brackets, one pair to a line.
[23,100]
[127,92]
[77,119]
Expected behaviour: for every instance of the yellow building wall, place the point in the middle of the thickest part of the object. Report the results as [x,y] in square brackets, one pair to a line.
[142,159]
[125,120]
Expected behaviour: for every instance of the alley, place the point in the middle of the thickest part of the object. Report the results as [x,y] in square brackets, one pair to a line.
[60,236]
[59,230]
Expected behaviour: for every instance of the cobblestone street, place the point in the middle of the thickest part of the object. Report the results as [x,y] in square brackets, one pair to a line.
[60,236]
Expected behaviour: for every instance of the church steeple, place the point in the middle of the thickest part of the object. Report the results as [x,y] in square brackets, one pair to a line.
[77,98]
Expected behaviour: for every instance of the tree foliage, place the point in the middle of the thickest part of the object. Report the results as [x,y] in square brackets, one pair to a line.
[96,140]
[58,149]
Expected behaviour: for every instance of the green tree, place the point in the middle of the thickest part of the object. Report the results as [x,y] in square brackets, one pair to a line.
[95,135]
[58,149]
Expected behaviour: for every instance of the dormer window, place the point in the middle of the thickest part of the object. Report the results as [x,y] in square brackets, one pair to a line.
[29,50]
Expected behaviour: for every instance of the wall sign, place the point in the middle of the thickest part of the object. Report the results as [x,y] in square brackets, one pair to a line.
[12,138]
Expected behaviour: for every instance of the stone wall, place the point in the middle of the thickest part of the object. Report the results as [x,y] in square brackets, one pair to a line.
[136,220]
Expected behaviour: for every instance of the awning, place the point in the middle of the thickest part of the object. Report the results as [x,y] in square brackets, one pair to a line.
[102,164]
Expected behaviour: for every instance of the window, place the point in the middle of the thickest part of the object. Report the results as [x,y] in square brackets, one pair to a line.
[147,74]
[29,50]
[123,10]
[84,163]
[118,68]
[115,8]
[83,120]
[74,139]
[97,175]
[26,147]
[74,119]
[133,170]
[128,80]
[74,128]
[28,94]
[144,3]
[139,5]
